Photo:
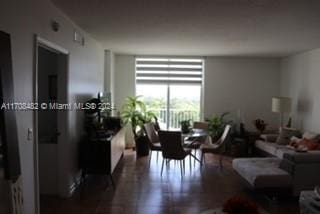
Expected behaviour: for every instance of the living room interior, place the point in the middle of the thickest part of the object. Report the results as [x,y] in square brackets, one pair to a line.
[232,85]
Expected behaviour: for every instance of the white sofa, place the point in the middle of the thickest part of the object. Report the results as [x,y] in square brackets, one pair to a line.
[262,173]
[299,171]
[286,168]
[273,149]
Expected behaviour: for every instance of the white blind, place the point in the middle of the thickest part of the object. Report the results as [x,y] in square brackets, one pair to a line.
[169,71]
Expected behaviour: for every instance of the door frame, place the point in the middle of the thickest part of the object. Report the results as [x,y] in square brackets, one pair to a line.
[41,42]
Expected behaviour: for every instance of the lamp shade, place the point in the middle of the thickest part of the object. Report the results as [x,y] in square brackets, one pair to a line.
[281,104]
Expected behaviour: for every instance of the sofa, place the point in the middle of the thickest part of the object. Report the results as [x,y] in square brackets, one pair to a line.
[267,145]
[283,169]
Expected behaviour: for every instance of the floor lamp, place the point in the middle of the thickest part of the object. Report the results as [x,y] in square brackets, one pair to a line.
[281,105]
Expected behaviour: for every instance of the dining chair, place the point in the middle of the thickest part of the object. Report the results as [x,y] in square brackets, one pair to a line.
[153,139]
[172,148]
[200,125]
[218,147]
[194,143]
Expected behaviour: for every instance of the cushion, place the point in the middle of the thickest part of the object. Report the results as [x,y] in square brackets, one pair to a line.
[273,148]
[266,146]
[262,172]
[295,141]
[310,144]
[286,134]
[269,137]
[310,136]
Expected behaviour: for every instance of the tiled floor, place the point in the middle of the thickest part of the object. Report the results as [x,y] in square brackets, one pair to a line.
[141,189]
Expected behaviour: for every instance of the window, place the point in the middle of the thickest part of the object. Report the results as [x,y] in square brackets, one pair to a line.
[171,88]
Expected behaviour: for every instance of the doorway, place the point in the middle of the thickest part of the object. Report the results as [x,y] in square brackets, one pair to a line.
[50,123]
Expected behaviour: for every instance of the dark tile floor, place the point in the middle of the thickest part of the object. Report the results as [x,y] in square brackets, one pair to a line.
[140,189]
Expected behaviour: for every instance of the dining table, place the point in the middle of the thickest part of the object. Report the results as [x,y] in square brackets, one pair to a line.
[193,136]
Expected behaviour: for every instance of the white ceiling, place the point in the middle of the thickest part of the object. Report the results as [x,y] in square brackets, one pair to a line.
[200,27]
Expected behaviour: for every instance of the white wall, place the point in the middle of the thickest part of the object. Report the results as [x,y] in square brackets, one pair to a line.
[124,79]
[245,84]
[300,80]
[230,84]
[23,19]
[124,86]
[109,75]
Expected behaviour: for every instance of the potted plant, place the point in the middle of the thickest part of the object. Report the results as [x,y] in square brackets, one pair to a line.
[260,125]
[134,112]
[185,126]
[216,125]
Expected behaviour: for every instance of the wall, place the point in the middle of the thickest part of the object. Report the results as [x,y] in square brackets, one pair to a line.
[23,19]
[124,79]
[109,75]
[230,84]
[300,78]
[245,84]
[124,86]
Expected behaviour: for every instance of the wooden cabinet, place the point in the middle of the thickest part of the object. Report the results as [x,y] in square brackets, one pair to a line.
[101,156]
[117,147]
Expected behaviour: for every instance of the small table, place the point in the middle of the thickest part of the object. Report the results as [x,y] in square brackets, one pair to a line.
[309,203]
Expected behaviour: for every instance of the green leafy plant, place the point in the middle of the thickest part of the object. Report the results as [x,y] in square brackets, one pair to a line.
[134,112]
[216,125]
[185,126]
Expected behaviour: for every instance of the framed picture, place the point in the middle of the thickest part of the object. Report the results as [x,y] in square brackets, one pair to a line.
[53,87]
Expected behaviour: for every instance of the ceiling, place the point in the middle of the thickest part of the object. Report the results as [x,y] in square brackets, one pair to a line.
[199,27]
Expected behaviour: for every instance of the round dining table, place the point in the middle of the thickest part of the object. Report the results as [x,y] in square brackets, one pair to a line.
[193,136]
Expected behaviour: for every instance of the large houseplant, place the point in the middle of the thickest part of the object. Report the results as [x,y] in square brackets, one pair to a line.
[134,112]
[216,125]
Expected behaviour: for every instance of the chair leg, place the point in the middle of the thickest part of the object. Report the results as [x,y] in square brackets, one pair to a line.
[150,157]
[163,160]
[184,168]
[202,158]
[190,162]
[112,181]
[157,155]
[195,154]
[220,161]
[181,168]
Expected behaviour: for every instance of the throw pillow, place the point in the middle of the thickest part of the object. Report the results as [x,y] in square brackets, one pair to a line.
[286,134]
[310,136]
[310,144]
[295,141]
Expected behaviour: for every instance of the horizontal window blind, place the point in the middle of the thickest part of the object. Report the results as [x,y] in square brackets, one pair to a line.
[169,71]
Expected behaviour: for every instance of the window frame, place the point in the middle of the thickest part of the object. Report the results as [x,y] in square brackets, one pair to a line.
[168,83]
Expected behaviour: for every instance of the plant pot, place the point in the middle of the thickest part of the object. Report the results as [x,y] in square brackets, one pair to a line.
[185,130]
[142,147]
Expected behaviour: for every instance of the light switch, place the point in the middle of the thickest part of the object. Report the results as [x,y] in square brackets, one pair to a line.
[30,133]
